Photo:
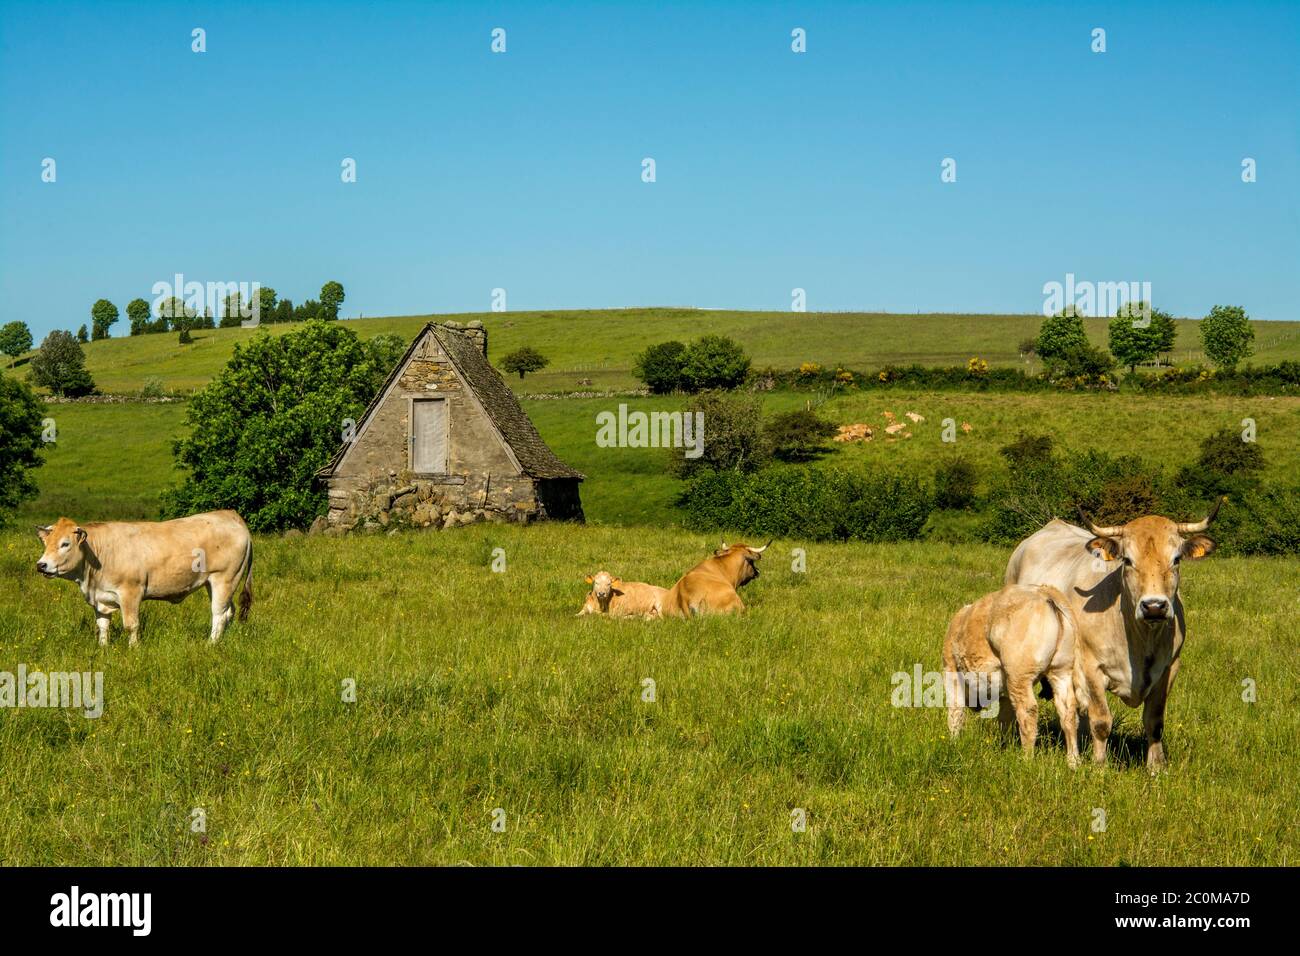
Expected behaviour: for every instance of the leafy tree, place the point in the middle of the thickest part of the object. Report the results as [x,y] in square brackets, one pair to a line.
[15,339]
[1061,333]
[60,366]
[284,311]
[798,435]
[185,338]
[82,336]
[734,439]
[21,421]
[1227,336]
[137,312]
[524,360]
[660,367]
[232,311]
[714,361]
[172,314]
[331,297]
[1133,344]
[261,429]
[307,311]
[1164,330]
[387,348]
[102,315]
[265,304]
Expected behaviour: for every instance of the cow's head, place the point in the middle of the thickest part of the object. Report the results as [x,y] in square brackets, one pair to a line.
[740,562]
[604,585]
[64,548]
[1152,549]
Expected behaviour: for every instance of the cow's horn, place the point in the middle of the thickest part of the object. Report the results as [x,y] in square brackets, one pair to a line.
[1101,532]
[763,548]
[1192,527]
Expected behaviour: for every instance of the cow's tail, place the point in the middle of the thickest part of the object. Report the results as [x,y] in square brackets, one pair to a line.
[1067,631]
[246,593]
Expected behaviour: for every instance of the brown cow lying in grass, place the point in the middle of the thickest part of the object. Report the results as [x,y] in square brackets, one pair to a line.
[711,586]
[1006,641]
[619,598]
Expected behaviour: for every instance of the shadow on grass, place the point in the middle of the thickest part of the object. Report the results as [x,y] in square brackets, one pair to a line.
[1124,748]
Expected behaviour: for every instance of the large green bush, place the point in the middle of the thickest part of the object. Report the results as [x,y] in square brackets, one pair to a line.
[798,435]
[275,415]
[660,367]
[734,439]
[1227,465]
[1039,487]
[21,417]
[954,484]
[811,504]
[714,362]
[1086,362]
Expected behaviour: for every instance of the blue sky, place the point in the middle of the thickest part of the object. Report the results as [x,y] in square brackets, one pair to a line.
[775,170]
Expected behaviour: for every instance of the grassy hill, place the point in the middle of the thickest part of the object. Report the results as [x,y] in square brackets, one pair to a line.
[600,345]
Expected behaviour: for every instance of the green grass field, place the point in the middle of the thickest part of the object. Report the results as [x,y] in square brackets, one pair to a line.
[478,690]
[600,345]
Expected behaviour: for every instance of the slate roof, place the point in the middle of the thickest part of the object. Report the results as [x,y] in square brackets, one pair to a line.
[504,411]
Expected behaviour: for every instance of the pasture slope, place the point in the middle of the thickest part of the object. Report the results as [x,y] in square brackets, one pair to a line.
[478,690]
[600,345]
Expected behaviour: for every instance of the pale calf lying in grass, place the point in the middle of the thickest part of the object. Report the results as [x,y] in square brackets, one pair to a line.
[1007,641]
[619,598]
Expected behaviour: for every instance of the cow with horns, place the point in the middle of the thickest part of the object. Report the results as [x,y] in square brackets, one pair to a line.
[1122,584]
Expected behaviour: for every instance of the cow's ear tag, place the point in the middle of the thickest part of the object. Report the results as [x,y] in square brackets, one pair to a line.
[1104,548]
[1197,547]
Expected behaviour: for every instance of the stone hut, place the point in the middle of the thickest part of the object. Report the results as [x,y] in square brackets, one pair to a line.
[446,443]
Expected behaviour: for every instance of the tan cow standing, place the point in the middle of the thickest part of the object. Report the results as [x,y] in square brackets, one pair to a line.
[619,598]
[1004,643]
[1122,584]
[711,586]
[118,564]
